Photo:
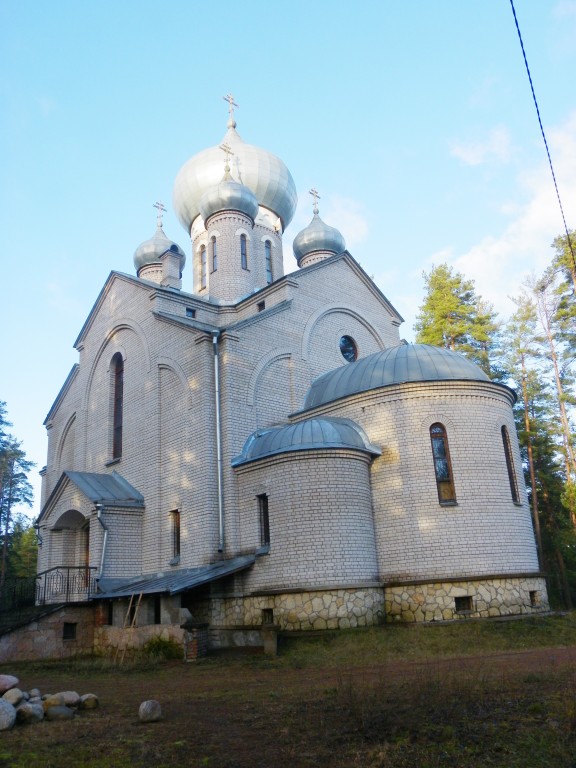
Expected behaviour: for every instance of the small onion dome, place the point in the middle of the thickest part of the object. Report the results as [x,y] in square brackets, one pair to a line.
[261,171]
[396,365]
[229,195]
[317,237]
[151,251]
[311,435]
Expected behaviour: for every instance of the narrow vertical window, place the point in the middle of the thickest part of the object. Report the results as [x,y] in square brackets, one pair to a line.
[244,251]
[118,367]
[268,253]
[263,519]
[175,522]
[202,266]
[214,254]
[510,466]
[442,466]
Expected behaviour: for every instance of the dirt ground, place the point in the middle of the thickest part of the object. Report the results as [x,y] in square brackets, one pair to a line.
[252,713]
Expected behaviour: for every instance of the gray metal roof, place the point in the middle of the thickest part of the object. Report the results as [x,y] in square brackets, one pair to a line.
[109,490]
[311,434]
[228,195]
[259,170]
[174,582]
[397,365]
[150,251]
[317,236]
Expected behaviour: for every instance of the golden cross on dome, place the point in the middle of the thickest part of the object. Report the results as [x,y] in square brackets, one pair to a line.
[231,104]
[316,197]
[161,208]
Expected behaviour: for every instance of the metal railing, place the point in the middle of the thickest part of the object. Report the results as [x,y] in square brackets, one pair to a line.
[65,584]
[17,592]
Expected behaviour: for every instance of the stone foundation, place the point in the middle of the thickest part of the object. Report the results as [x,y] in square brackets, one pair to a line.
[299,611]
[452,601]
[67,632]
[109,639]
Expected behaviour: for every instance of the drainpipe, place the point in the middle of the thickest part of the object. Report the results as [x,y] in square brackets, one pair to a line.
[99,510]
[215,335]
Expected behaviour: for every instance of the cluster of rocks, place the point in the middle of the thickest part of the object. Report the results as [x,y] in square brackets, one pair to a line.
[17,706]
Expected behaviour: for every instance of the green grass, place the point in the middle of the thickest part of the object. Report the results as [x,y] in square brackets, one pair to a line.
[419,642]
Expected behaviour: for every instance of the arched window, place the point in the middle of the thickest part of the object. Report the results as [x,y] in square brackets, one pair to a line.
[118,369]
[268,253]
[510,466]
[214,254]
[202,267]
[244,251]
[442,465]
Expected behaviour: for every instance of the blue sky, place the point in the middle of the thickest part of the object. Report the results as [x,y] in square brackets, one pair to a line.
[413,119]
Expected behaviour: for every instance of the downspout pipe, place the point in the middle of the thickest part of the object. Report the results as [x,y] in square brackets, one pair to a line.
[215,336]
[99,511]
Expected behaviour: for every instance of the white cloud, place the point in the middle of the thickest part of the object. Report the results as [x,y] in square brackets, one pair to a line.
[346,215]
[496,146]
[500,262]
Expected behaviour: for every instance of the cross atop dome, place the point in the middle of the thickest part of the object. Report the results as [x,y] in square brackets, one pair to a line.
[231,104]
[227,151]
[316,197]
[161,208]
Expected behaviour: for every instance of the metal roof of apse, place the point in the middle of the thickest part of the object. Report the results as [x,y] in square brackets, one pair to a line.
[396,365]
[174,582]
[309,435]
[111,490]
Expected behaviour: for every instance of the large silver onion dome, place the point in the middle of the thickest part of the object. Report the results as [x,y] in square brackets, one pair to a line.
[397,365]
[309,435]
[317,237]
[259,170]
[150,251]
[229,195]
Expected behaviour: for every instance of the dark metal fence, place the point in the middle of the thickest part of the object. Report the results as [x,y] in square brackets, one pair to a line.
[17,592]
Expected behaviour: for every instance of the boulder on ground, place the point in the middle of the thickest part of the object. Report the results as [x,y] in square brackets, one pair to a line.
[14,696]
[7,715]
[53,700]
[29,713]
[7,682]
[59,713]
[150,711]
[89,701]
[69,698]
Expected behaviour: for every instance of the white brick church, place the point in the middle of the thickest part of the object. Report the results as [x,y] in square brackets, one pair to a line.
[261,448]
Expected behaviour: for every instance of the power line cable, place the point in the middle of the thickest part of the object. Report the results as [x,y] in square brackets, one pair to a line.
[568,238]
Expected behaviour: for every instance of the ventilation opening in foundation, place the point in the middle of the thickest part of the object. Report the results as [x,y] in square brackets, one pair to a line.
[267,616]
[463,604]
[68,631]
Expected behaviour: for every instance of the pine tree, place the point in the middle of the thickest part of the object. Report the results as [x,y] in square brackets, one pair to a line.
[548,302]
[15,489]
[453,316]
[521,351]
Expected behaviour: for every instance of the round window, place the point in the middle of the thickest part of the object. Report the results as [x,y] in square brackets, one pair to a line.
[348,348]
